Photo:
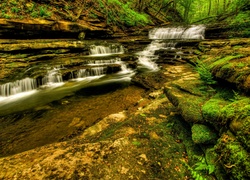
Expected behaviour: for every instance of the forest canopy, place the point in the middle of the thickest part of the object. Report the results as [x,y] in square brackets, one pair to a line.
[127,13]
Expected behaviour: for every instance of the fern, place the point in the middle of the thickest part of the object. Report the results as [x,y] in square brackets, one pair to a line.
[203,166]
[204,73]
[200,166]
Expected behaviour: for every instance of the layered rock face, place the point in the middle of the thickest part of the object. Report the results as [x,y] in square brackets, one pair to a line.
[220,107]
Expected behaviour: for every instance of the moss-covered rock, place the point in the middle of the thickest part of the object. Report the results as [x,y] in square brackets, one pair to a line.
[202,134]
[235,158]
[238,114]
[212,108]
[189,93]
[228,60]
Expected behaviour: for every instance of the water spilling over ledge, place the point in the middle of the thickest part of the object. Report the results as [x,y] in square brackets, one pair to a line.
[106,50]
[86,70]
[147,58]
[19,86]
[193,32]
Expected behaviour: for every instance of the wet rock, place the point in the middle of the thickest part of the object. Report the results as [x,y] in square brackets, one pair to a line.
[202,134]
[149,80]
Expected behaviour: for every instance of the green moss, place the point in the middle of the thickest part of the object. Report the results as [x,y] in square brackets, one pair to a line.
[202,134]
[225,60]
[241,65]
[236,110]
[234,157]
[211,110]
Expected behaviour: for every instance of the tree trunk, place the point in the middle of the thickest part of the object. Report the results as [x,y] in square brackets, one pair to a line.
[209,7]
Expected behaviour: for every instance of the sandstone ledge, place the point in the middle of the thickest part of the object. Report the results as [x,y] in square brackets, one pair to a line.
[31,28]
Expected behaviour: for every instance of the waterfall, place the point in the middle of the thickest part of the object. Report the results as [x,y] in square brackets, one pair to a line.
[193,32]
[104,62]
[18,86]
[106,50]
[96,71]
[52,78]
[147,57]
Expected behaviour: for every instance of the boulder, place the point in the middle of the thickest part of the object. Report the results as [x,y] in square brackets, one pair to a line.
[202,134]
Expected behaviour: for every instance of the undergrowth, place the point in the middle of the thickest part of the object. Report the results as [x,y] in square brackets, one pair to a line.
[204,73]
[121,14]
[200,166]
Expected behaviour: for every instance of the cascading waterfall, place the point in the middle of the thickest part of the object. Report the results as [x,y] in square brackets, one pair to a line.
[104,62]
[147,57]
[18,86]
[106,50]
[95,71]
[53,78]
[193,32]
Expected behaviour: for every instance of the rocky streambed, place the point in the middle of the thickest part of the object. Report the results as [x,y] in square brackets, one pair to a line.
[178,123]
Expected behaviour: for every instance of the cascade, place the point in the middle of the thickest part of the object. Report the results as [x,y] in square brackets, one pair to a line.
[52,78]
[106,50]
[18,86]
[96,71]
[193,32]
[104,62]
[147,57]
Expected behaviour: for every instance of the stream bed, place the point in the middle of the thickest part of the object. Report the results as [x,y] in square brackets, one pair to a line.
[53,99]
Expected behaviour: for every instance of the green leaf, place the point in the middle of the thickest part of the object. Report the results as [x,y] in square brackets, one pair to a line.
[211,169]
[143,115]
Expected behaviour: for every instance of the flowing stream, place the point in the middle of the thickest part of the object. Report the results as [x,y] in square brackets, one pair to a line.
[102,66]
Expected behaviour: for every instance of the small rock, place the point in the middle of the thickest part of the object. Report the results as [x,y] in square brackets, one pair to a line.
[153,135]
[124,170]
[143,156]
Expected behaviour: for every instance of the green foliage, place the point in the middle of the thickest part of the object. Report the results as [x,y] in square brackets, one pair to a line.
[34,14]
[136,143]
[203,166]
[241,24]
[225,60]
[4,15]
[13,2]
[204,73]
[143,115]
[121,14]
[15,9]
[43,12]
[194,173]
[162,96]
[236,96]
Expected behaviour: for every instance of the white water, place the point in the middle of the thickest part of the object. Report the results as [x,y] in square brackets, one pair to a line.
[18,86]
[104,62]
[95,71]
[106,50]
[193,32]
[147,57]
[53,78]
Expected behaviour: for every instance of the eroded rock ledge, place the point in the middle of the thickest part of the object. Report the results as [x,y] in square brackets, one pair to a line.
[42,28]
